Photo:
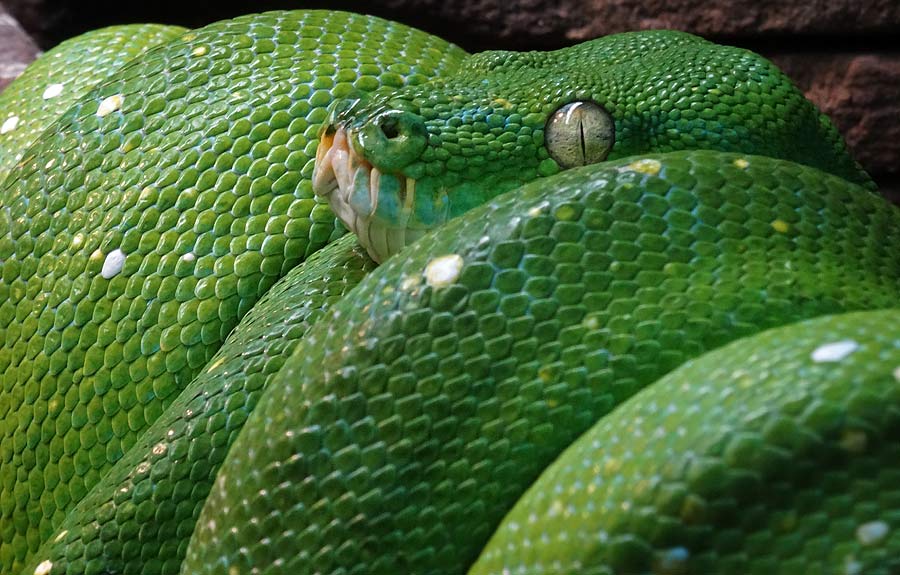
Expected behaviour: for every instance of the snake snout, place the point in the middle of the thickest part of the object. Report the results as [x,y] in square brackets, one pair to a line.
[343,177]
[377,206]
[392,139]
[363,151]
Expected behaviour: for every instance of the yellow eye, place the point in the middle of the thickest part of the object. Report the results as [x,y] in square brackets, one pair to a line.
[579,133]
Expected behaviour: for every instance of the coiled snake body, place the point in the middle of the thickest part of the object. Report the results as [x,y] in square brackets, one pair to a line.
[171,403]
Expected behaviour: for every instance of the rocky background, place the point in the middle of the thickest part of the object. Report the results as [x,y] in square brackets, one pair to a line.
[16,48]
[842,53]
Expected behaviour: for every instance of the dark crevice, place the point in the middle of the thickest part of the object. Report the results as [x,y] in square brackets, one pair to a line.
[889,186]
[61,19]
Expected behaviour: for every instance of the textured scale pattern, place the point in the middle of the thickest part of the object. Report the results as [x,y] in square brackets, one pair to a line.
[139,517]
[760,457]
[442,386]
[170,209]
[61,76]
[665,91]
[133,240]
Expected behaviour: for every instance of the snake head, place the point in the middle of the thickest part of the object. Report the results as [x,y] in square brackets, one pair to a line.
[394,165]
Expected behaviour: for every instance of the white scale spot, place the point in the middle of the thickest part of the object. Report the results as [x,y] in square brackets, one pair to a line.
[854,441]
[672,560]
[538,209]
[443,271]
[61,536]
[410,283]
[215,364]
[52,91]
[647,166]
[872,533]
[113,264]
[852,566]
[836,351]
[110,105]
[897,374]
[556,509]
[159,448]
[189,257]
[43,567]
[9,125]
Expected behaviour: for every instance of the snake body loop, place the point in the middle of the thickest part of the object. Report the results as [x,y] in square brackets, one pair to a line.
[146,223]
[199,375]
[456,372]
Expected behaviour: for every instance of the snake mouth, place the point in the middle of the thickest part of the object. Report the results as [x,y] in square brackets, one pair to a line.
[353,188]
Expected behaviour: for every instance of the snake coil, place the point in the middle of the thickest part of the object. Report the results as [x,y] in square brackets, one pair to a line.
[682,358]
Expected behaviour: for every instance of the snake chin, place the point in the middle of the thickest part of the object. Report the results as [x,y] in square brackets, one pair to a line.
[352,186]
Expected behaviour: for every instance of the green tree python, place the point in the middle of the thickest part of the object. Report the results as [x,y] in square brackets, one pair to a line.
[651,331]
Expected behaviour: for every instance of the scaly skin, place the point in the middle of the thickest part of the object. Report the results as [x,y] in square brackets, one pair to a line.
[431,401]
[148,503]
[484,133]
[788,467]
[470,136]
[75,546]
[61,76]
[191,163]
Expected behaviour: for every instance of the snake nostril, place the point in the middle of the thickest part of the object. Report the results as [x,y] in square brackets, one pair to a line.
[389,128]
[391,139]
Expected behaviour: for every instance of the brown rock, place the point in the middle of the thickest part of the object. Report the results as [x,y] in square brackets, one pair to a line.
[477,24]
[16,49]
[891,190]
[42,18]
[739,17]
[861,93]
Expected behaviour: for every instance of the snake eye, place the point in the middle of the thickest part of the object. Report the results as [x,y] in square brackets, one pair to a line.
[578,134]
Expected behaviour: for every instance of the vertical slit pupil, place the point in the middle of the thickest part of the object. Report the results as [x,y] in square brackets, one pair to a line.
[582,142]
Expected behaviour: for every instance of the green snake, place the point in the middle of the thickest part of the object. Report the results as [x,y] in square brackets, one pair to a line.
[641,364]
